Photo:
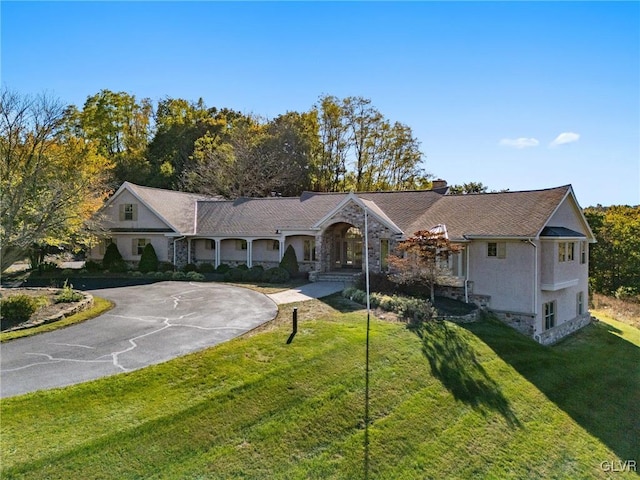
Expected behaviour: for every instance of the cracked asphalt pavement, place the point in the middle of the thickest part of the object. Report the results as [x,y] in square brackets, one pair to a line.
[150,324]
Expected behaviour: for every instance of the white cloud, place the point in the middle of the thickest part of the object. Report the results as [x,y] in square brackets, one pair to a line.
[521,142]
[566,137]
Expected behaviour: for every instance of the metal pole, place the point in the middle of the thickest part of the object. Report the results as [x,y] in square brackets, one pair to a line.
[366,395]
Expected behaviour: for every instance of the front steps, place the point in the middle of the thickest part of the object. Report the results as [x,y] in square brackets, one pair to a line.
[344,277]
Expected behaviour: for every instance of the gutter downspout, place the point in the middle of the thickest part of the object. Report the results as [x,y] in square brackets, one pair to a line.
[535,277]
[466,278]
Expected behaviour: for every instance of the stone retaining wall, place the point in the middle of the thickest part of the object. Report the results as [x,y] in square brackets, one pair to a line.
[71,309]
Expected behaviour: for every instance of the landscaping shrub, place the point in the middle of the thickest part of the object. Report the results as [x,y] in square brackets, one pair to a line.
[137,274]
[254,274]
[223,268]
[148,260]
[168,275]
[156,275]
[18,308]
[195,276]
[276,275]
[190,267]
[178,276]
[92,266]
[234,275]
[289,261]
[206,268]
[416,310]
[242,266]
[166,267]
[68,294]
[67,272]
[112,259]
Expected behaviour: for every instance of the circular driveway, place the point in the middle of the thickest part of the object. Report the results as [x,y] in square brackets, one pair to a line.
[149,324]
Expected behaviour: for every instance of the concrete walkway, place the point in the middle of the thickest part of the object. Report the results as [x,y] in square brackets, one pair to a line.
[307,292]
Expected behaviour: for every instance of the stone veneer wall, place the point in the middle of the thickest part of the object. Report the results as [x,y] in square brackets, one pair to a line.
[353,214]
[557,333]
[522,322]
[182,252]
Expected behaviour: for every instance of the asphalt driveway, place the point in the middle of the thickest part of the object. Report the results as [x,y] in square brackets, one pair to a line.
[150,324]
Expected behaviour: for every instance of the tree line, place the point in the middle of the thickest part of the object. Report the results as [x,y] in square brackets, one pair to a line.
[337,145]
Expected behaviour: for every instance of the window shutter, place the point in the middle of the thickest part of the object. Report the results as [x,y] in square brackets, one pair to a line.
[134,246]
[121,211]
[502,250]
[135,212]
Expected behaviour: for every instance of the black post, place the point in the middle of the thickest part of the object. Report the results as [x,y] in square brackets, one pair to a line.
[295,325]
[295,320]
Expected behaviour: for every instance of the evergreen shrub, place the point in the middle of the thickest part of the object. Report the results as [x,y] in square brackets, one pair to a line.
[148,260]
[289,261]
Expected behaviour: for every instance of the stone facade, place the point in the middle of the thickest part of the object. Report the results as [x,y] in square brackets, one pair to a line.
[557,333]
[522,322]
[181,252]
[353,214]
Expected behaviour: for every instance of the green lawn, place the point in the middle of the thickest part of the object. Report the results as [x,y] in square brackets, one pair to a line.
[478,401]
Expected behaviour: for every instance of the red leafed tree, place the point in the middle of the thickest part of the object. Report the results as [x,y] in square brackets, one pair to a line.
[425,258]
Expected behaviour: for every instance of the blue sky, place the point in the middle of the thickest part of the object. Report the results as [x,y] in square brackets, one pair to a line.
[518,95]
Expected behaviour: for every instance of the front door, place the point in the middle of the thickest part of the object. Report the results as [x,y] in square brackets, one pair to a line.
[347,252]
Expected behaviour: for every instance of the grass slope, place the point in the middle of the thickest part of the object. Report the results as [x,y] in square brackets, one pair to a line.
[446,402]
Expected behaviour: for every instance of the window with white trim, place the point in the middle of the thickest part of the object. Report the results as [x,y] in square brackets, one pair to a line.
[138,244]
[580,303]
[274,245]
[241,244]
[309,254]
[566,251]
[128,211]
[583,252]
[384,254]
[549,310]
[497,249]
[209,244]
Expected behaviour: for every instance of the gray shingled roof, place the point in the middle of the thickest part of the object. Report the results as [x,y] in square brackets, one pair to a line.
[505,214]
[177,208]
[261,216]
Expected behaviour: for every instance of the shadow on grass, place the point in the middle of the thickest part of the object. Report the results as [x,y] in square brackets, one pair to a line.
[454,363]
[593,376]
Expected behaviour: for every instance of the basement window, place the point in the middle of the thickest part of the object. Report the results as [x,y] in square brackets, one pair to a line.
[549,315]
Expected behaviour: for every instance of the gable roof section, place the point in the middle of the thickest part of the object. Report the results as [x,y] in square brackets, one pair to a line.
[493,215]
[263,216]
[363,203]
[176,209]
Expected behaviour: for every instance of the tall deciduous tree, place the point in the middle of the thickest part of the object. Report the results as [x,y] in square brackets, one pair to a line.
[425,259]
[51,181]
[361,150]
[254,158]
[179,124]
[121,127]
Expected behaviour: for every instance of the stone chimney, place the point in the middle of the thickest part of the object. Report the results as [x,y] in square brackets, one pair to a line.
[435,184]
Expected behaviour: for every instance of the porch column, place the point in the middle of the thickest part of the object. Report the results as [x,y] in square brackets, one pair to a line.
[189,250]
[249,253]
[216,256]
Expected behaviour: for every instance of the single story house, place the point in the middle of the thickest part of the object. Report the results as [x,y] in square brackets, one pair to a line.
[525,255]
